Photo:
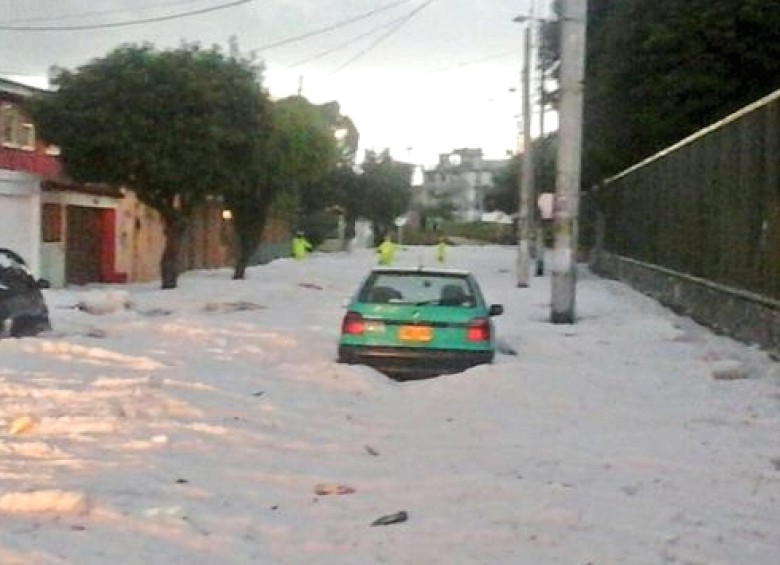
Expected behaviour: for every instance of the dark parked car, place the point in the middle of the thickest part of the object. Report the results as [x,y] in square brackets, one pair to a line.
[411,323]
[23,311]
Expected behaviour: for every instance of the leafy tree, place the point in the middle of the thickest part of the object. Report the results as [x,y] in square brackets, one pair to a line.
[384,190]
[380,191]
[172,125]
[297,149]
[658,70]
[505,193]
[344,132]
[319,198]
[339,188]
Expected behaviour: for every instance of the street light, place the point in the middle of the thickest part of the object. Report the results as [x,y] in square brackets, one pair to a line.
[528,162]
[526,178]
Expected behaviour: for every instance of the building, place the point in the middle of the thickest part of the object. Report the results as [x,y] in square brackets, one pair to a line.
[76,233]
[460,181]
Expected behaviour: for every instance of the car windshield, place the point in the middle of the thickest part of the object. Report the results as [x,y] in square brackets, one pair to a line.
[419,288]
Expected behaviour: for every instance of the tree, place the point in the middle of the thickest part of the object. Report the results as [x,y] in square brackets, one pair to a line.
[380,191]
[338,190]
[384,190]
[298,148]
[505,192]
[658,70]
[319,198]
[171,125]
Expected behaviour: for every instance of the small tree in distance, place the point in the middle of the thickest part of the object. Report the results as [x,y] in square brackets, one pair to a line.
[298,147]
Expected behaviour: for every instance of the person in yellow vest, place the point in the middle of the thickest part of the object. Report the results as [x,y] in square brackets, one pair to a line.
[300,246]
[386,251]
[441,250]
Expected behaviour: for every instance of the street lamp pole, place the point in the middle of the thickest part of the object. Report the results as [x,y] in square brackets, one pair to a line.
[567,184]
[526,177]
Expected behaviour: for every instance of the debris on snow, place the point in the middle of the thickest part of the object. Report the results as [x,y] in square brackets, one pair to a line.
[388,519]
[729,370]
[325,489]
[108,302]
[371,450]
[228,307]
[21,425]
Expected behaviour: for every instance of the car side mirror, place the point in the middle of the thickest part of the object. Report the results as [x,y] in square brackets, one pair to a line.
[43,283]
[496,310]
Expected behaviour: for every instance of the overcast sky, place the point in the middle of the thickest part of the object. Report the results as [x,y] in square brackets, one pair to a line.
[420,77]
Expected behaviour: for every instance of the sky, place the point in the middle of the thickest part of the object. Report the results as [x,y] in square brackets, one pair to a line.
[211,424]
[420,77]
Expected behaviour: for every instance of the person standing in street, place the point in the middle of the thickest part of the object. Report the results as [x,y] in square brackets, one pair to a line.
[441,250]
[300,246]
[386,251]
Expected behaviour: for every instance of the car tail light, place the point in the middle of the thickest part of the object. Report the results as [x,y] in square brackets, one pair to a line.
[353,324]
[478,329]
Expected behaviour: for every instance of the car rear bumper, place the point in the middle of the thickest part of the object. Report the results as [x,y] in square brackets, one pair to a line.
[413,362]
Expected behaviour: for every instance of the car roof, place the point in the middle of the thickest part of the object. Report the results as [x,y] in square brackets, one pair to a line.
[421,271]
[9,258]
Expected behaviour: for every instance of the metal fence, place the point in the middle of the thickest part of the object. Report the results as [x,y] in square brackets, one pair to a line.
[707,207]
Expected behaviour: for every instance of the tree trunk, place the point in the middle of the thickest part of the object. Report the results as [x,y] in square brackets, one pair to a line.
[248,226]
[169,264]
[239,272]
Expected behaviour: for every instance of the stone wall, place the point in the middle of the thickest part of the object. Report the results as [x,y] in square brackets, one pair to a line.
[742,315]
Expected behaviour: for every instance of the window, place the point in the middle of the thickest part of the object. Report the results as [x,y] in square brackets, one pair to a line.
[15,130]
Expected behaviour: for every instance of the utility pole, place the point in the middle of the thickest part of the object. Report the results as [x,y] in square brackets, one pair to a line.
[526,177]
[567,183]
[541,157]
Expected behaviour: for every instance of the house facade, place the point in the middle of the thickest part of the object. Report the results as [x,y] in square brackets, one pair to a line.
[75,233]
[24,161]
[65,231]
[460,181]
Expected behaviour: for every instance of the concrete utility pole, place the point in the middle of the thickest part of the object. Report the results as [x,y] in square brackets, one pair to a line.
[539,235]
[526,177]
[567,183]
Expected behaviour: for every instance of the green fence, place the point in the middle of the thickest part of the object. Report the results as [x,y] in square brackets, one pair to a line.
[708,207]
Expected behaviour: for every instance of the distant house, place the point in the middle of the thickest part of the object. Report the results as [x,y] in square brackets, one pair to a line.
[461,181]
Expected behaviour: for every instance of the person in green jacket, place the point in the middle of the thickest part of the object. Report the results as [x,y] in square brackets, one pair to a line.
[300,246]
[386,251]
[441,250]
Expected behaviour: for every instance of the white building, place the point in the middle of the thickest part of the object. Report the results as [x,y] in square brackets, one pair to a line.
[460,180]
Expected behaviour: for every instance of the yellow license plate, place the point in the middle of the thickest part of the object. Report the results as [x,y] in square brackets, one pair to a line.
[415,333]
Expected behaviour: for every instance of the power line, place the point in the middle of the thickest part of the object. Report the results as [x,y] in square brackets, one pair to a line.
[332,27]
[460,65]
[346,43]
[127,22]
[403,21]
[97,13]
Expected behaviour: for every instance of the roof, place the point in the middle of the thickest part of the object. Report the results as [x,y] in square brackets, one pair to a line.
[12,87]
[421,270]
[63,184]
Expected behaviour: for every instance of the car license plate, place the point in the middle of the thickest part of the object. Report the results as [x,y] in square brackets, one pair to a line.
[415,333]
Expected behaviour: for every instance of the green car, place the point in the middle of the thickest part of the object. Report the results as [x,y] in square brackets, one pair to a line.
[418,323]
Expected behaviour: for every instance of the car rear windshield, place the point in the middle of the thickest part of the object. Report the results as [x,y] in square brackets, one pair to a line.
[419,288]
